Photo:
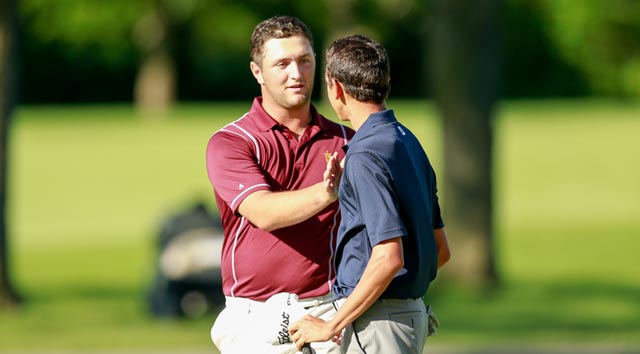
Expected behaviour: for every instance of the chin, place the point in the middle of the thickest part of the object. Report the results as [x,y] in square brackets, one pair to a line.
[299,102]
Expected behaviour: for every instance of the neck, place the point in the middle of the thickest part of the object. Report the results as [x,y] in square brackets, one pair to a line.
[360,112]
[295,119]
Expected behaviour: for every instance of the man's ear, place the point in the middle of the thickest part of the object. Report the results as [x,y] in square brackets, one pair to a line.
[257,72]
[339,89]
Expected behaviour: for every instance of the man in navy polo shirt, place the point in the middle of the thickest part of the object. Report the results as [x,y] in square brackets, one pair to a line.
[275,173]
[391,240]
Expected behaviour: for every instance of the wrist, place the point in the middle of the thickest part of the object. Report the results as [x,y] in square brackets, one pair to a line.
[325,196]
[333,327]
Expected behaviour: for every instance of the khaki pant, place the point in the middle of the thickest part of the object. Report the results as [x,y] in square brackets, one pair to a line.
[389,326]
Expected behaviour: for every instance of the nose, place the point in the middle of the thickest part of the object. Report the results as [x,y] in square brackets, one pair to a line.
[294,70]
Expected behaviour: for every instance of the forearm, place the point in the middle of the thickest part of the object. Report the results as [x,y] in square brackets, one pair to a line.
[442,245]
[385,262]
[273,210]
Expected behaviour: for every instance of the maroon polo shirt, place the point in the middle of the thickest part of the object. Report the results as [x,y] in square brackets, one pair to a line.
[257,153]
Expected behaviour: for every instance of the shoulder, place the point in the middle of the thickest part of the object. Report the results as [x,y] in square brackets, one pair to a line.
[360,160]
[335,128]
[238,131]
[242,128]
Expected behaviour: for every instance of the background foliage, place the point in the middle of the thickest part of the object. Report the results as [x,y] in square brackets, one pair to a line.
[550,47]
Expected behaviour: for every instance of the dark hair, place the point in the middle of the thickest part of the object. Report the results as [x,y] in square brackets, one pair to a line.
[276,27]
[361,65]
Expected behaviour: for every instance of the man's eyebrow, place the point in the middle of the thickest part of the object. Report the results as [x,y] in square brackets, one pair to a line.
[289,58]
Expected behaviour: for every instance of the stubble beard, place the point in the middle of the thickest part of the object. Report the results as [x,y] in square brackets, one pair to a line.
[298,101]
[288,100]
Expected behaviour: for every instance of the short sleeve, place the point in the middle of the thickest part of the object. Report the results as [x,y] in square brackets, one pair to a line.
[438,223]
[375,196]
[233,168]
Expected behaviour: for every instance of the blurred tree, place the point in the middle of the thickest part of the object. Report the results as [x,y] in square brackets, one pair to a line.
[464,61]
[96,37]
[69,56]
[95,50]
[341,20]
[533,65]
[601,38]
[78,50]
[393,23]
[154,90]
[154,34]
[8,68]
[215,60]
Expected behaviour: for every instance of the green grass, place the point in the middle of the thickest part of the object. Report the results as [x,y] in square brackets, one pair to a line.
[90,185]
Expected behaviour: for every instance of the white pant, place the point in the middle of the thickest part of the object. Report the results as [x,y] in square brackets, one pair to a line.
[239,326]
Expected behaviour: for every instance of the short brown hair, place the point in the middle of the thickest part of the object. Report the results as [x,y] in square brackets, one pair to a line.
[276,27]
[361,65]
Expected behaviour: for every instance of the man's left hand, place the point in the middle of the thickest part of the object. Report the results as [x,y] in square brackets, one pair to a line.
[311,329]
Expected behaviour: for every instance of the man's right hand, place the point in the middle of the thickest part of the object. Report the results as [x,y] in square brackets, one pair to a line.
[332,175]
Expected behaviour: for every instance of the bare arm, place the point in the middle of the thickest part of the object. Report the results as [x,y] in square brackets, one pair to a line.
[442,245]
[273,210]
[385,262]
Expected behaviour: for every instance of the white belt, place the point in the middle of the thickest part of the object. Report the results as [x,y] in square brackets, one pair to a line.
[248,303]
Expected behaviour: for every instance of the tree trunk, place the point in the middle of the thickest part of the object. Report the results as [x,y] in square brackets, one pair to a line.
[464,61]
[154,90]
[340,21]
[8,68]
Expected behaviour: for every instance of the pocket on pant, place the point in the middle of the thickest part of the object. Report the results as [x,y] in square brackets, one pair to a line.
[407,318]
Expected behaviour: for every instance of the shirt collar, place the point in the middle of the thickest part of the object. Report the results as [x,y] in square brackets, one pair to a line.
[382,117]
[386,116]
[265,122]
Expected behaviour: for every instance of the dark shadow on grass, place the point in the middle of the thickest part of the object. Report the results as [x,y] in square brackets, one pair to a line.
[546,309]
[85,292]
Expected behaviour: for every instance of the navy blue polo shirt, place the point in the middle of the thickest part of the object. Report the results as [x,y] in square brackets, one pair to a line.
[388,190]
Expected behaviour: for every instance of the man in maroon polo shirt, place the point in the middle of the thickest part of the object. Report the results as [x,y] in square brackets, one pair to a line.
[275,172]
